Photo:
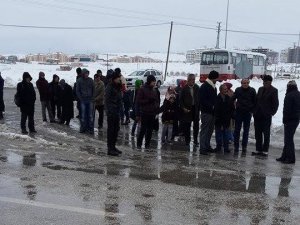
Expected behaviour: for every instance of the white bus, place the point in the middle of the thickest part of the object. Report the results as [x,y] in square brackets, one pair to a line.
[225,62]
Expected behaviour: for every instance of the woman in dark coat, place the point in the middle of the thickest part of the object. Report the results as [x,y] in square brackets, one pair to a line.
[27,97]
[291,118]
[65,94]
[2,106]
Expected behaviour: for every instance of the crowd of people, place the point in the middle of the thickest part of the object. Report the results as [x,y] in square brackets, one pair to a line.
[185,104]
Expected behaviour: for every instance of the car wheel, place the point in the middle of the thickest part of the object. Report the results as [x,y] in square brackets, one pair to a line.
[158,84]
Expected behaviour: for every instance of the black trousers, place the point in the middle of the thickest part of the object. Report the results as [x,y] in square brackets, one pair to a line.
[187,130]
[100,109]
[147,122]
[27,113]
[289,146]
[262,133]
[55,107]
[113,127]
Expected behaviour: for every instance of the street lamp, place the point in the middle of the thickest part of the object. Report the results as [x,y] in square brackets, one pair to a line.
[226,23]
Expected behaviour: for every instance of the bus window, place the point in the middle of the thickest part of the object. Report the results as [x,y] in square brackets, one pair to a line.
[238,58]
[244,57]
[261,61]
[255,60]
[207,58]
[233,59]
[221,58]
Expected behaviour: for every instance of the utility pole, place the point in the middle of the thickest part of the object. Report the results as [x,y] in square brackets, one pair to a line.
[106,62]
[226,24]
[218,36]
[166,69]
[297,53]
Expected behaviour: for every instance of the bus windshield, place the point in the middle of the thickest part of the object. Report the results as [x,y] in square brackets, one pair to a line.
[209,58]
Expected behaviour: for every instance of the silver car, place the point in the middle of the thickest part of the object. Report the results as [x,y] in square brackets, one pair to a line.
[142,75]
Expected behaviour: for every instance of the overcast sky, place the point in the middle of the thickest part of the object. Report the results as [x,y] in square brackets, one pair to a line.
[249,15]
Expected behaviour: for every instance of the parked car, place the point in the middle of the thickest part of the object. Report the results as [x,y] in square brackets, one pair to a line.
[142,75]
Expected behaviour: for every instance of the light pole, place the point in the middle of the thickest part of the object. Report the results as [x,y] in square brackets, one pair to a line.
[226,24]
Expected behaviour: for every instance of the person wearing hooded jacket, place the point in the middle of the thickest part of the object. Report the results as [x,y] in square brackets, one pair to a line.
[291,118]
[2,106]
[148,104]
[43,87]
[65,94]
[27,96]
[53,87]
[99,98]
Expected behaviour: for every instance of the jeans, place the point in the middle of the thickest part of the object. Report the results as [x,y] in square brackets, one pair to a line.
[147,122]
[207,129]
[113,127]
[86,119]
[241,119]
[222,138]
[262,133]
[46,105]
[167,132]
[288,152]
[100,109]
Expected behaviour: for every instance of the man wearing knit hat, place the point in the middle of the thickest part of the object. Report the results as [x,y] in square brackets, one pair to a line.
[85,90]
[266,106]
[113,104]
[291,118]
[148,105]
[207,100]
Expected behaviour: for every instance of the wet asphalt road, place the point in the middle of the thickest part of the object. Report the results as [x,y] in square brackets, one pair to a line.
[59,176]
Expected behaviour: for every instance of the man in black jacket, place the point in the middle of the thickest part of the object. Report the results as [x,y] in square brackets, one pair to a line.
[44,90]
[207,98]
[53,86]
[266,106]
[189,104]
[113,104]
[27,97]
[246,98]
[291,118]
[2,106]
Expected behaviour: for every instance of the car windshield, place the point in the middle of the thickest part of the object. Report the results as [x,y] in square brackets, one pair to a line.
[136,73]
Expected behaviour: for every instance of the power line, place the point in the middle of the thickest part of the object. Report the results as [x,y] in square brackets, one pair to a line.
[81,28]
[239,31]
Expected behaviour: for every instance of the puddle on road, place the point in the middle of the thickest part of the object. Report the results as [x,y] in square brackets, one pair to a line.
[19,160]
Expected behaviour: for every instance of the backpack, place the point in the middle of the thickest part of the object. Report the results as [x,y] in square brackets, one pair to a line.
[17,98]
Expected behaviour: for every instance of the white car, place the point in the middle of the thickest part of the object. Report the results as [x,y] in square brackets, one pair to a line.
[142,75]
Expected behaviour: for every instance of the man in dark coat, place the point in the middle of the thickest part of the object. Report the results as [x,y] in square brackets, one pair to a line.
[113,104]
[27,97]
[44,90]
[223,113]
[266,106]
[291,118]
[78,75]
[53,86]
[148,105]
[207,100]
[102,78]
[245,104]
[189,104]
[65,95]
[2,106]
[85,91]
